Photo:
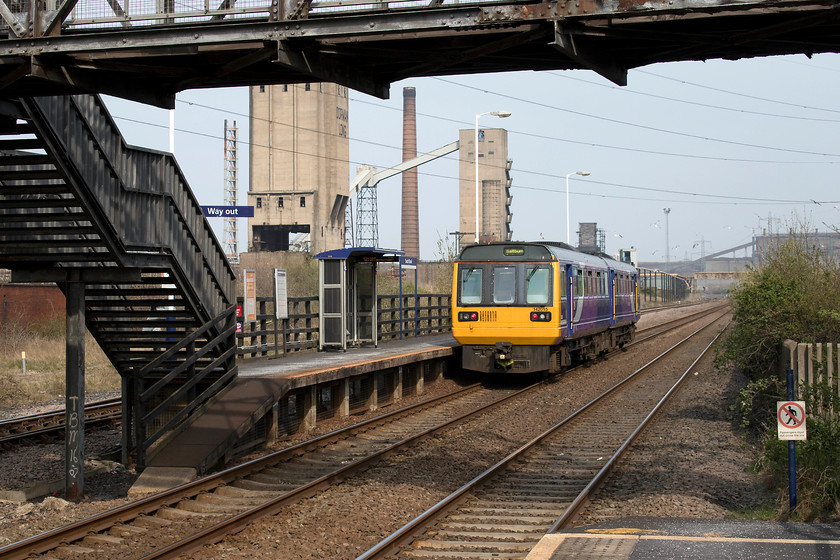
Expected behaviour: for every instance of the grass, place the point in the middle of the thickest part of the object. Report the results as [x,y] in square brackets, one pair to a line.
[44,379]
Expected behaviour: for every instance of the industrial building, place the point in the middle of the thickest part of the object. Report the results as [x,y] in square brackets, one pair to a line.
[299,175]
[493,185]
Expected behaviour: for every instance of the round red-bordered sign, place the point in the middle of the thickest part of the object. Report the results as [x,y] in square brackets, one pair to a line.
[785,416]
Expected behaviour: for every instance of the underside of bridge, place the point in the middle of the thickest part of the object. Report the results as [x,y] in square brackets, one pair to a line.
[148,57]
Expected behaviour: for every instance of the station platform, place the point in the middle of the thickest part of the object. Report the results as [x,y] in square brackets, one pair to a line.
[262,382]
[647,538]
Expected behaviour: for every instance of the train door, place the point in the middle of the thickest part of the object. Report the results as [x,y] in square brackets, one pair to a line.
[576,295]
[613,286]
[637,295]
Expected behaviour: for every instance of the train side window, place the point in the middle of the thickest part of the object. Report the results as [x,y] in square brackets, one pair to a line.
[537,286]
[504,284]
[578,282]
[470,284]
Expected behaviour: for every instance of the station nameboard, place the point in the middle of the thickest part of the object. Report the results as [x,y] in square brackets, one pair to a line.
[408,262]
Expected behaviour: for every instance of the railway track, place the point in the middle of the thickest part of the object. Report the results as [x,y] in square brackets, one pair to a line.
[659,328]
[223,502]
[542,486]
[49,426]
[215,506]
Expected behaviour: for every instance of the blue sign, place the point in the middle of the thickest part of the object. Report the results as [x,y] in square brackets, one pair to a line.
[408,262]
[228,211]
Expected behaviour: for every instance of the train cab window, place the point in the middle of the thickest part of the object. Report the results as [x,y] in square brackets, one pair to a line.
[504,284]
[537,286]
[470,284]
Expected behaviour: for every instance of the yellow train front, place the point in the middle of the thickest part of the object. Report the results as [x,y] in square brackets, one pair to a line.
[534,307]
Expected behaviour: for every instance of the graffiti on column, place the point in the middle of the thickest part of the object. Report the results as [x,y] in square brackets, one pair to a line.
[73,463]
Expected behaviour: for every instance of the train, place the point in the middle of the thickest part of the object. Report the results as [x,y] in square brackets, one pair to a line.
[530,307]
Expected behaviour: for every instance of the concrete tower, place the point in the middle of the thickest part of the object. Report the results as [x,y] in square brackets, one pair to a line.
[494,184]
[410,237]
[298,166]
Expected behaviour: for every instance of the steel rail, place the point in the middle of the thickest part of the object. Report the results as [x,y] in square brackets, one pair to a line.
[676,322]
[578,503]
[32,426]
[49,540]
[412,530]
[146,506]
[234,524]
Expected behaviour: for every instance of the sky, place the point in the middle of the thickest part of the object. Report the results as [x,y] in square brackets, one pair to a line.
[732,148]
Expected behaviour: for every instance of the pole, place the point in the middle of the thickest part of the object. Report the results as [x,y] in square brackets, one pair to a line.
[791,451]
[477,200]
[667,242]
[568,225]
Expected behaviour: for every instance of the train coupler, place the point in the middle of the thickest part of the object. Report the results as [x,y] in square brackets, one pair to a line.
[503,354]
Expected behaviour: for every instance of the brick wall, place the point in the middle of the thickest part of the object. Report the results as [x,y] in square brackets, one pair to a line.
[30,302]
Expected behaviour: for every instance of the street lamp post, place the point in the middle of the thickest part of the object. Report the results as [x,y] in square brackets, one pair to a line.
[568,223]
[501,115]
[667,242]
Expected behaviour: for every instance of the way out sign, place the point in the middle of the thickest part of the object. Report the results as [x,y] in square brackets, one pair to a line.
[791,420]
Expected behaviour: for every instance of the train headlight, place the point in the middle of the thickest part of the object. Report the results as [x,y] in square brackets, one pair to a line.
[541,316]
[467,316]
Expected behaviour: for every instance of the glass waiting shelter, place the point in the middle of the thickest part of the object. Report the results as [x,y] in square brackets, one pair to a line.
[347,295]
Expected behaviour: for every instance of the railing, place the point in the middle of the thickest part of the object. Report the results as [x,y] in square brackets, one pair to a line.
[432,314]
[144,13]
[268,337]
[657,286]
[144,196]
[206,365]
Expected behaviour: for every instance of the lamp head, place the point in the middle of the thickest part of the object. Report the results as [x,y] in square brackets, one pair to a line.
[500,114]
[583,173]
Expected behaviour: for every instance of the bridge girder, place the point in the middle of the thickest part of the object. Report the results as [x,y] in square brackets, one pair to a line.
[368,49]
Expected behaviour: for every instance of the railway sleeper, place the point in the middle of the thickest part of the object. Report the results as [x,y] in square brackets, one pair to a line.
[178,514]
[236,492]
[478,546]
[221,499]
[490,520]
[490,532]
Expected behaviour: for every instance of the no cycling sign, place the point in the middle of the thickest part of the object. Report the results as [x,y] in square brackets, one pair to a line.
[791,420]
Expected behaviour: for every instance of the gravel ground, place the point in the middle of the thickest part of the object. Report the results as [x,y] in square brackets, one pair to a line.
[691,463]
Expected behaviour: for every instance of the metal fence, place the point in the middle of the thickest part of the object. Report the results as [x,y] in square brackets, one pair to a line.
[398,317]
[657,286]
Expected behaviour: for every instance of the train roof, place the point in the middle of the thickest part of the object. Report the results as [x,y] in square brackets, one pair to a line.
[539,251]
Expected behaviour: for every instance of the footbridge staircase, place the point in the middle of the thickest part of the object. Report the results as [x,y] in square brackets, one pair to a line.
[122,234]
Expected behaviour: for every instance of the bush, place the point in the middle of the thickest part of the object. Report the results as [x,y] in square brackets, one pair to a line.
[792,295]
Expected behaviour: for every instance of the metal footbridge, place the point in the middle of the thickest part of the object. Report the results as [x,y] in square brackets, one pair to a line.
[149,50]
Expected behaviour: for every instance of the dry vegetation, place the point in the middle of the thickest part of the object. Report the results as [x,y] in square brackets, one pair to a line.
[44,379]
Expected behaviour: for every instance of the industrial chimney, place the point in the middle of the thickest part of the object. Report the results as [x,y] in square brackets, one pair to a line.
[410,238]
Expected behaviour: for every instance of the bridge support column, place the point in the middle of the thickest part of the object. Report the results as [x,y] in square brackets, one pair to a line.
[74,438]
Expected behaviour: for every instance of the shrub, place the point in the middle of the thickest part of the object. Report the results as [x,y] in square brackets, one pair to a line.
[792,294]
